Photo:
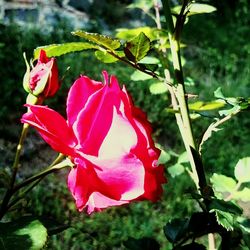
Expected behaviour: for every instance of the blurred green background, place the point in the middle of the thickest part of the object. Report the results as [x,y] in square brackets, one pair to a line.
[217,55]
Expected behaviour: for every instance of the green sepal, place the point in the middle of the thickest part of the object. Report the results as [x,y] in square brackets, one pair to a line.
[26,76]
[31,99]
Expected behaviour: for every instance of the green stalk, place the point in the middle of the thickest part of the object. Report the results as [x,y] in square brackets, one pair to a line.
[183,119]
[66,163]
[15,167]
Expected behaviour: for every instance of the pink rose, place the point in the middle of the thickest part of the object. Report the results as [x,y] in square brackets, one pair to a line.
[109,141]
[42,80]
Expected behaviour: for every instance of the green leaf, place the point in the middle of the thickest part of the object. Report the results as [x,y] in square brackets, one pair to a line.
[105,57]
[140,76]
[244,223]
[195,8]
[225,206]
[225,219]
[64,48]
[229,111]
[104,41]
[222,183]
[218,93]
[189,82]
[164,157]
[199,8]
[183,158]
[226,213]
[242,170]
[205,106]
[176,169]
[176,229]
[137,48]
[158,88]
[128,34]
[26,233]
[150,60]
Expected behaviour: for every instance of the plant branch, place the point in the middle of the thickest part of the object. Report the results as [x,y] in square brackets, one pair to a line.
[214,126]
[34,180]
[183,119]
[135,65]
[15,167]
[66,163]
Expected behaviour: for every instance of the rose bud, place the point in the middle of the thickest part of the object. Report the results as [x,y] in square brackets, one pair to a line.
[42,81]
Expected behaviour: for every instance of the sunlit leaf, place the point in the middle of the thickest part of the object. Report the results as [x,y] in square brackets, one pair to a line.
[189,82]
[205,106]
[199,8]
[227,112]
[158,88]
[242,170]
[183,158]
[137,48]
[26,233]
[194,116]
[164,157]
[176,169]
[222,183]
[225,219]
[140,76]
[195,8]
[149,60]
[243,195]
[64,48]
[128,34]
[218,93]
[105,57]
[104,41]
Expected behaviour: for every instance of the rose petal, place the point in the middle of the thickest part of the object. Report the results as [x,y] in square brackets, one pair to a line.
[123,176]
[78,95]
[120,139]
[52,127]
[94,120]
[97,202]
[120,180]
